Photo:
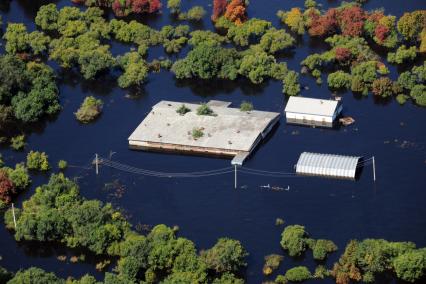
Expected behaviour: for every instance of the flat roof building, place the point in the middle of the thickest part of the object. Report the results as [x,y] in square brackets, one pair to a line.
[309,111]
[228,132]
[328,165]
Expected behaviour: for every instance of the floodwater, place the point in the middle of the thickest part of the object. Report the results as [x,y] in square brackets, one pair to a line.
[208,208]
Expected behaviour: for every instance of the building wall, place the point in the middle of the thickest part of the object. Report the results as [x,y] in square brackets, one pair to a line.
[307,119]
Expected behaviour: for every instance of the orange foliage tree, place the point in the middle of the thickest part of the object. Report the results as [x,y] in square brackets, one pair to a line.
[236,12]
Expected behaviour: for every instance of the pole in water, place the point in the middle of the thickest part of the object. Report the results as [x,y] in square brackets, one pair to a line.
[97,164]
[13,213]
[374,169]
[235,181]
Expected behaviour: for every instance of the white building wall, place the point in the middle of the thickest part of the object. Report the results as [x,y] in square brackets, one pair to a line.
[309,117]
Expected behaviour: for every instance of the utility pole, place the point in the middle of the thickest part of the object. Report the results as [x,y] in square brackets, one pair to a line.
[14,218]
[374,169]
[97,164]
[235,179]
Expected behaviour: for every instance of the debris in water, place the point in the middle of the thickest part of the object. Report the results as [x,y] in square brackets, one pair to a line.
[346,120]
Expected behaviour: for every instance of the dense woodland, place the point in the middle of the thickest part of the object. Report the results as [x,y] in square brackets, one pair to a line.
[240,47]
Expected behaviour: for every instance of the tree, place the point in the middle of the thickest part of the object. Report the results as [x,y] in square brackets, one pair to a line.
[293,239]
[219,7]
[322,248]
[298,274]
[291,86]
[252,29]
[256,66]
[174,6]
[236,12]
[7,189]
[339,80]
[90,109]
[226,255]
[402,54]
[37,161]
[276,40]
[351,20]
[418,93]
[135,70]
[196,13]
[35,275]
[410,266]
[47,17]
[383,87]
[410,25]
[294,20]
[16,37]
[323,25]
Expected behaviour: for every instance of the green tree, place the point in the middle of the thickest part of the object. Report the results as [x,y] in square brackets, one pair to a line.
[298,274]
[37,161]
[174,6]
[276,40]
[226,255]
[339,80]
[291,86]
[322,248]
[47,17]
[35,275]
[402,54]
[90,109]
[411,266]
[16,37]
[418,93]
[293,239]
[135,70]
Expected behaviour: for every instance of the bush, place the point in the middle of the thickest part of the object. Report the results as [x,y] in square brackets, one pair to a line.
[272,262]
[18,142]
[196,13]
[174,6]
[298,274]
[321,272]
[197,133]
[182,110]
[339,80]
[204,109]
[401,99]
[280,279]
[279,222]
[37,161]
[90,109]
[293,239]
[246,106]
[322,248]
[62,165]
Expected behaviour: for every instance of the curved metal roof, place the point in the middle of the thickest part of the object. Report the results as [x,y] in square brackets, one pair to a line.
[327,165]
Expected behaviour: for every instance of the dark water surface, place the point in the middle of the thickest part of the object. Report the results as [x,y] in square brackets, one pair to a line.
[208,208]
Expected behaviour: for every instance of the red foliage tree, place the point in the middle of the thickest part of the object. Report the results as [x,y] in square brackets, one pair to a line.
[118,9]
[236,11]
[342,53]
[219,7]
[381,32]
[154,6]
[138,6]
[7,189]
[323,25]
[351,20]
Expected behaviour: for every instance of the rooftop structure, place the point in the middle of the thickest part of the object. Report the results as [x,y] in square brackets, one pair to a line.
[228,132]
[309,111]
[327,165]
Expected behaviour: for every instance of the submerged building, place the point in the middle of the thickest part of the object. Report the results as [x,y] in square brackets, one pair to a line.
[314,112]
[227,132]
[327,165]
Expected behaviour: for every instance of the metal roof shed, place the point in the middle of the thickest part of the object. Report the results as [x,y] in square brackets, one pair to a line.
[328,165]
[310,111]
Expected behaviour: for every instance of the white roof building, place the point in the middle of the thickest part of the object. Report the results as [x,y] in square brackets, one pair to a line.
[327,165]
[309,111]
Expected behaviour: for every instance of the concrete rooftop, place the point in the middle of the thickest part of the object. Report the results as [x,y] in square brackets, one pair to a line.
[230,129]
